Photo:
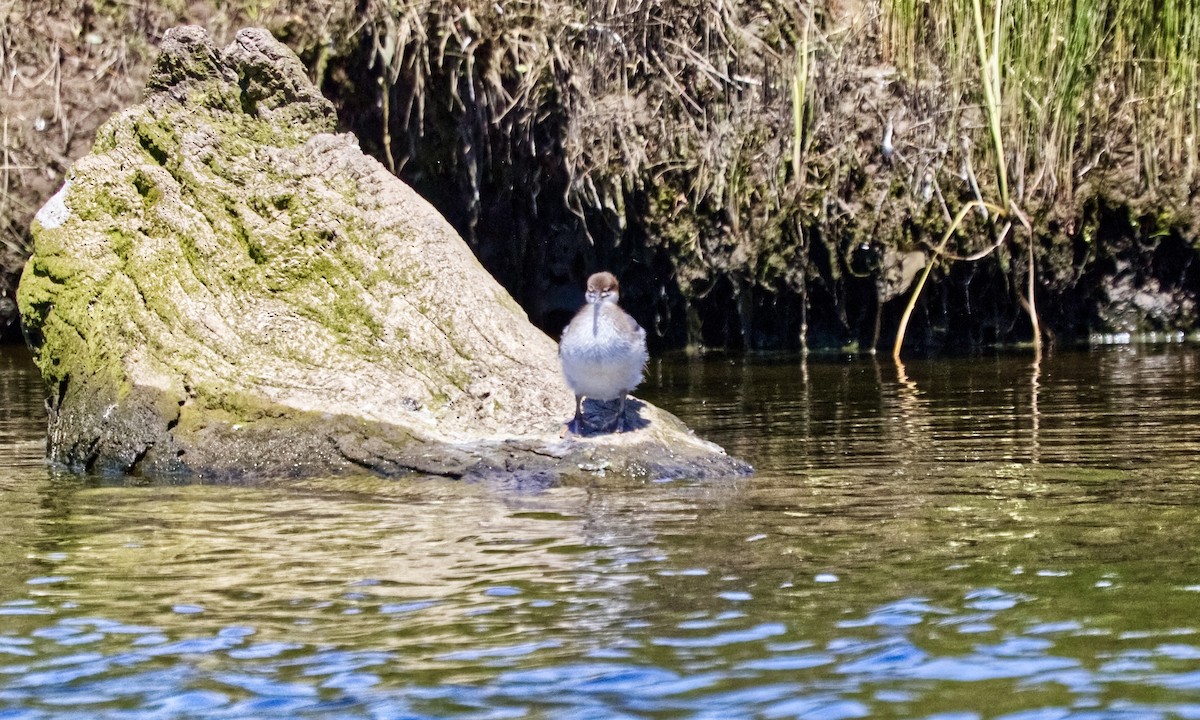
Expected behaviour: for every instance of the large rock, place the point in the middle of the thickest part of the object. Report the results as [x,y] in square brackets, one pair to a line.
[223,287]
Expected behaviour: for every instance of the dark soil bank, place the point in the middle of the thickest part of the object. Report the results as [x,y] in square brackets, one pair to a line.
[759,177]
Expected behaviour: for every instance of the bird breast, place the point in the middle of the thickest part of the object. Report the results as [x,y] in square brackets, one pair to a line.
[603,352]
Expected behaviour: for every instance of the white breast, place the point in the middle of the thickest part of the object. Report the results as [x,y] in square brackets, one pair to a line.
[603,352]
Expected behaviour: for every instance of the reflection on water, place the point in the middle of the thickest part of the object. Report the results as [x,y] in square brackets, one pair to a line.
[1099,410]
[956,539]
[22,418]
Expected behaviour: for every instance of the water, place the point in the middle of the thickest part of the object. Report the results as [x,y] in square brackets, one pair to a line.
[967,539]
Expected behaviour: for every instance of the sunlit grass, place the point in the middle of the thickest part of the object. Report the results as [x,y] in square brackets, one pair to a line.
[1110,83]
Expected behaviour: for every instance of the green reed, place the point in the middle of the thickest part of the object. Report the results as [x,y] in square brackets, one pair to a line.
[1068,92]
[1110,84]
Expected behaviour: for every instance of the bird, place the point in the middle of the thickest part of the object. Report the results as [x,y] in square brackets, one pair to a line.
[602,350]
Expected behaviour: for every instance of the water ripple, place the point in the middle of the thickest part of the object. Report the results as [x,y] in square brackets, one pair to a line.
[940,545]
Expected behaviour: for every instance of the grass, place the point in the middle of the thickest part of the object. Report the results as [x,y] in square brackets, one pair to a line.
[737,141]
[1073,86]
[988,47]
[744,116]
[1068,92]
[578,117]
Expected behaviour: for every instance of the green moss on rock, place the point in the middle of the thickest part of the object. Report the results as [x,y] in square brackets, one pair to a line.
[229,290]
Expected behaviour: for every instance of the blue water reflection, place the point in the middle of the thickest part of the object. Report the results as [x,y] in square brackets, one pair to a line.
[885,657]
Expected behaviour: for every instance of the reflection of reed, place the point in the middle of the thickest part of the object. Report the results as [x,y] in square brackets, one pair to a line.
[1035,418]
[912,418]
[804,405]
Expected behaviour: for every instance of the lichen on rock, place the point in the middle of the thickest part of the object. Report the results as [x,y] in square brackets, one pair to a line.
[224,287]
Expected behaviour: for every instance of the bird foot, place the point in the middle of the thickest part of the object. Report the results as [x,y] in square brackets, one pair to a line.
[578,425]
[575,426]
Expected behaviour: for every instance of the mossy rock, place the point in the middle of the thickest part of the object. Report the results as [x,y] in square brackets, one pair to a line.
[223,287]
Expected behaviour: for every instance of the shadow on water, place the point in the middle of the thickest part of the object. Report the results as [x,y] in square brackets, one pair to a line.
[970,538]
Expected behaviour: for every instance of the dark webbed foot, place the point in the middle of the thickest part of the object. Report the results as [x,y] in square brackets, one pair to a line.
[579,424]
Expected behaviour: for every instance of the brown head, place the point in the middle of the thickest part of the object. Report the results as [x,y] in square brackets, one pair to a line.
[603,287]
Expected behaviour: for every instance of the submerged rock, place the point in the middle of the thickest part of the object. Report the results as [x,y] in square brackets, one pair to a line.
[223,287]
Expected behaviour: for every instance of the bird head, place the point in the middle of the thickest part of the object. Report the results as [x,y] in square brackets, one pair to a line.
[603,287]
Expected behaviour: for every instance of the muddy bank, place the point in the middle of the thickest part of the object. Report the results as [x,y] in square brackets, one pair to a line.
[752,176]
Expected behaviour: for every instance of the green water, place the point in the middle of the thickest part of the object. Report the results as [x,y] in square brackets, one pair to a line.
[977,538]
